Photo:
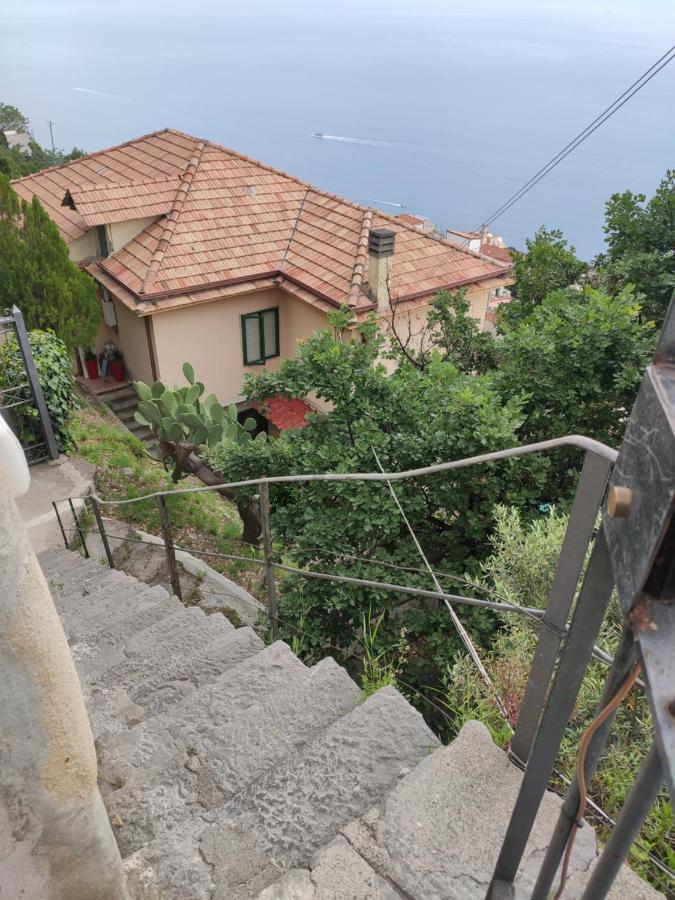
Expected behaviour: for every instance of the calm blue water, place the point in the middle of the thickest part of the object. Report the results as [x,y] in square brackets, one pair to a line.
[458,103]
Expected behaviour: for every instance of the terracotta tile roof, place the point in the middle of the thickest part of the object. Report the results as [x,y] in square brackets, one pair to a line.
[163,154]
[121,202]
[284,412]
[234,220]
[501,253]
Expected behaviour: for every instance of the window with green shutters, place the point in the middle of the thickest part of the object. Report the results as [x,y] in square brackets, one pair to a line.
[260,336]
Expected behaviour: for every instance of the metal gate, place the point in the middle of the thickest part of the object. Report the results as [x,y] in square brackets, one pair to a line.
[23,404]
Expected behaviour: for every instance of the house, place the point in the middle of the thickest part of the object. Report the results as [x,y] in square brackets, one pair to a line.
[483,242]
[420,223]
[205,255]
[20,139]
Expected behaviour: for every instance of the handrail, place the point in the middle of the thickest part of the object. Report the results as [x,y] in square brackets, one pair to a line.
[571,440]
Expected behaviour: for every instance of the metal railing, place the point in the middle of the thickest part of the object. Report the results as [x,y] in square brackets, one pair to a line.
[633,551]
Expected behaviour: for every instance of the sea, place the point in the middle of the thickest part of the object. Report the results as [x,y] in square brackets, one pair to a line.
[438,108]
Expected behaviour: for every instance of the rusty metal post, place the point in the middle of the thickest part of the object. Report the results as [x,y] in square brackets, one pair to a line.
[168,546]
[96,509]
[268,551]
[78,528]
[58,519]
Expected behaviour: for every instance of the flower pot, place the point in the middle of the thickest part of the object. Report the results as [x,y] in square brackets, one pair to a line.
[117,369]
[92,368]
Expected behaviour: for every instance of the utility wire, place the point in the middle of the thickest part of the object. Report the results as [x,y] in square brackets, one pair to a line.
[593,126]
[461,630]
[606,114]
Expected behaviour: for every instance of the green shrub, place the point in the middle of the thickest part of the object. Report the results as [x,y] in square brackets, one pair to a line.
[54,368]
[520,568]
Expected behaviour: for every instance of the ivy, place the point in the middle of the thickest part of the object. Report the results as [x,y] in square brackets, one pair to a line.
[54,368]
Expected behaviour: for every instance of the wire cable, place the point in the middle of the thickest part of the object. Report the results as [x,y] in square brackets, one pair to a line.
[461,630]
[599,120]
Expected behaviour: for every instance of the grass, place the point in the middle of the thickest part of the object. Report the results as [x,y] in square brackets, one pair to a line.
[205,522]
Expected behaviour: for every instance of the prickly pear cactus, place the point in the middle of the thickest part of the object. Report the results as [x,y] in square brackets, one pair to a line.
[183,423]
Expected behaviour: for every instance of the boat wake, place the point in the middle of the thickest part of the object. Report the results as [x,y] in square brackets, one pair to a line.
[353,140]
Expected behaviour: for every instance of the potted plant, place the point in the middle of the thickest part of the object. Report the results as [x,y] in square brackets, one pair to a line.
[117,366]
[91,362]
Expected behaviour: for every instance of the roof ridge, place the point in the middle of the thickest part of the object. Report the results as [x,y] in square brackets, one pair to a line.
[172,218]
[72,162]
[108,185]
[307,185]
[293,230]
[361,255]
[322,193]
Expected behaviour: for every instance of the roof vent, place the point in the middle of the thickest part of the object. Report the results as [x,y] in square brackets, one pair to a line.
[251,189]
[381,242]
[102,170]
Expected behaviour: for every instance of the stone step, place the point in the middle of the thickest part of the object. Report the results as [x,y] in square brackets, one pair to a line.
[284,817]
[103,649]
[210,708]
[459,798]
[337,872]
[123,400]
[116,394]
[140,687]
[205,767]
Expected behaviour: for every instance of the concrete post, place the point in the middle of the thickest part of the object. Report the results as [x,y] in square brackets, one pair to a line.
[55,839]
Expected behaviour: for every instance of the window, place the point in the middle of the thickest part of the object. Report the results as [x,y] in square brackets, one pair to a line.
[260,336]
[103,240]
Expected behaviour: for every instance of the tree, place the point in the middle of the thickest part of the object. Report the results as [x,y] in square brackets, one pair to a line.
[39,276]
[409,418]
[640,237]
[12,119]
[576,362]
[548,264]
[448,332]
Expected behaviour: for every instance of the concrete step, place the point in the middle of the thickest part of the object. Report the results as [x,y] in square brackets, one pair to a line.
[143,686]
[284,817]
[210,765]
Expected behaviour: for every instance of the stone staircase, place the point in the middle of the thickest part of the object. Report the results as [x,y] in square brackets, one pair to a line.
[122,401]
[230,770]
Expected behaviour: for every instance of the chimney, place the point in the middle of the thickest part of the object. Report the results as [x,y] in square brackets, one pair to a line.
[380,256]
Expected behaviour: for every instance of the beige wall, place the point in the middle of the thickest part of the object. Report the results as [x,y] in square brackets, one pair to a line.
[209,337]
[133,343]
[84,246]
[413,323]
[120,233]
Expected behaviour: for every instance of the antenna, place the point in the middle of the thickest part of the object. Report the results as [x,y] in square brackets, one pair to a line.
[51,134]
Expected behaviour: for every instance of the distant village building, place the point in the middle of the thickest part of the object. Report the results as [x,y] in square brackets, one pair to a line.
[420,223]
[20,139]
[483,242]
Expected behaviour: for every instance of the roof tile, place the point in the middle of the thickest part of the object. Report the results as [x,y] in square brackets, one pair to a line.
[223,218]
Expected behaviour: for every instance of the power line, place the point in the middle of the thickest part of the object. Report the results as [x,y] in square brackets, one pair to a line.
[459,628]
[593,126]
